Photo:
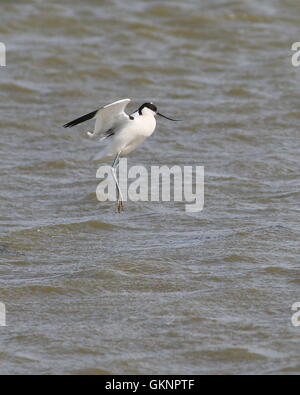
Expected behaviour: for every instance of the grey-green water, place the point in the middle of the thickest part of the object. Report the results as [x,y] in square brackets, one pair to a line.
[154,290]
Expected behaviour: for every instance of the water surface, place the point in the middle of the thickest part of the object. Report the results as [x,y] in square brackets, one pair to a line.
[154,290]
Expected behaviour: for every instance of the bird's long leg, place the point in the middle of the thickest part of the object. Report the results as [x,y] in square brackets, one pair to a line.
[114,166]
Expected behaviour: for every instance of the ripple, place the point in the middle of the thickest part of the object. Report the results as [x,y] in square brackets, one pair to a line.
[154,289]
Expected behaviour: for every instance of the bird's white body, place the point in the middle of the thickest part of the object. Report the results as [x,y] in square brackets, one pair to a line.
[128,135]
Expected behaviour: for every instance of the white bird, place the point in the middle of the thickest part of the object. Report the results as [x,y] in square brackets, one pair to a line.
[124,132]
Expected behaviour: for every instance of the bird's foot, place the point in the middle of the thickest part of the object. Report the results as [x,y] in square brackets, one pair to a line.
[120,206]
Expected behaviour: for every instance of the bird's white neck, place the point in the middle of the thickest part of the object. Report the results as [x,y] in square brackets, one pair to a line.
[147,112]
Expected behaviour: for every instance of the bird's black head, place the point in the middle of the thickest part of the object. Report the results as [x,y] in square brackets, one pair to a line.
[151,106]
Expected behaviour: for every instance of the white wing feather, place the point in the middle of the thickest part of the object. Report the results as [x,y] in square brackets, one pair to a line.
[109,117]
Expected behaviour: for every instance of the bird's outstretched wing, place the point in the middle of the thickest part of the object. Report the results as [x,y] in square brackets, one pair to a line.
[107,118]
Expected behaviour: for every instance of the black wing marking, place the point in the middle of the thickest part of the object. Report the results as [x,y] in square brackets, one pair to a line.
[81,119]
[110,132]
